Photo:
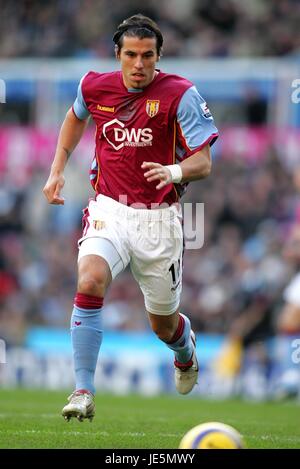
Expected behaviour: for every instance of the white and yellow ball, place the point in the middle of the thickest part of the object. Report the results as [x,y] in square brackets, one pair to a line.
[212,435]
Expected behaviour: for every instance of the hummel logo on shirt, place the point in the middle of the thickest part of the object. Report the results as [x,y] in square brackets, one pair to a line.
[105,108]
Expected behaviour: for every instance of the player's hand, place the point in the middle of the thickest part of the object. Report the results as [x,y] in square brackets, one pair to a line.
[53,188]
[157,172]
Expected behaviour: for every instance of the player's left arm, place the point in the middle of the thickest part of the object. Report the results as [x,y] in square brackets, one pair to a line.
[197,134]
[197,166]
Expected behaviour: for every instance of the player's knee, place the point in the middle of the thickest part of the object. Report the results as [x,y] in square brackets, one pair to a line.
[92,285]
[288,325]
[164,333]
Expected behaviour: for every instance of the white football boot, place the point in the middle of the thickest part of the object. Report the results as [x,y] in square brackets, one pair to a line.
[186,378]
[81,405]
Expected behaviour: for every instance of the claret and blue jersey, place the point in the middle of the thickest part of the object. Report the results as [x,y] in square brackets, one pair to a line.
[165,122]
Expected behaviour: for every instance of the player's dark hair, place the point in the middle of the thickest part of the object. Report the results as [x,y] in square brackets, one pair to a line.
[138,26]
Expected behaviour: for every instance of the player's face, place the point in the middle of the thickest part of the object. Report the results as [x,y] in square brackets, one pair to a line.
[138,58]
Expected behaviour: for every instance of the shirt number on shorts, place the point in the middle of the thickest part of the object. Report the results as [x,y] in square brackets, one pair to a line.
[175,272]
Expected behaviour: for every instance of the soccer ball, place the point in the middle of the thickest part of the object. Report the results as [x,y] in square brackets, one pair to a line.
[212,435]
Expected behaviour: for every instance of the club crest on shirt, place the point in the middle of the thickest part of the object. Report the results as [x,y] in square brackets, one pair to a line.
[98,224]
[152,107]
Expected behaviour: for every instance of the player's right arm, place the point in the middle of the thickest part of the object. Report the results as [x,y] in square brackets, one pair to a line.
[70,134]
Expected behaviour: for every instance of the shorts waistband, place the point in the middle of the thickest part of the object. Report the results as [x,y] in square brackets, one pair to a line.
[166,213]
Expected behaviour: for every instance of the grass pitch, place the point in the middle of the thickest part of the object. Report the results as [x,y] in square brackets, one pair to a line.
[31,419]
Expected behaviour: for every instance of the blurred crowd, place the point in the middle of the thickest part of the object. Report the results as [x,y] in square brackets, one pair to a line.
[249,210]
[192,28]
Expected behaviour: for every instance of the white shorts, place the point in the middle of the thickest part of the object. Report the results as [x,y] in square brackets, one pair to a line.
[151,241]
[291,293]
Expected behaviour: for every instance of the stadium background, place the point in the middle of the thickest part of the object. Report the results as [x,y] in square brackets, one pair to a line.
[244,58]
